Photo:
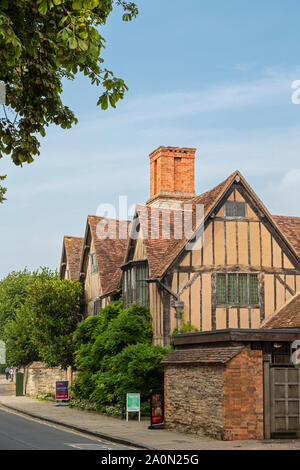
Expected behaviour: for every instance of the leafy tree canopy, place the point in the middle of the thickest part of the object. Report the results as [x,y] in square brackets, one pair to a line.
[42,42]
[38,315]
[20,349]
[13,291]
[54,306]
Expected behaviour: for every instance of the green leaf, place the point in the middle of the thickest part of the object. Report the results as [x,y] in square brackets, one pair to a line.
[77,4]
[82,45]
[43,8]
[72,42]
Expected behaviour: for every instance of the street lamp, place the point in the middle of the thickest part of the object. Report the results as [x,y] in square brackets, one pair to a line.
[178,305]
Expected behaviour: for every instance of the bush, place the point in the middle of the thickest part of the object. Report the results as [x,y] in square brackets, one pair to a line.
[115,356]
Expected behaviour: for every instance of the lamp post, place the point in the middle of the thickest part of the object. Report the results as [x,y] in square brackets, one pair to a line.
[178,305]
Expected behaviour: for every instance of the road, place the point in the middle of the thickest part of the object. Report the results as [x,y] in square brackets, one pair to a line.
[20,433]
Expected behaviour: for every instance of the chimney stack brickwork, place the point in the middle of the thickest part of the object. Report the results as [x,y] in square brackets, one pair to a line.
[172,174]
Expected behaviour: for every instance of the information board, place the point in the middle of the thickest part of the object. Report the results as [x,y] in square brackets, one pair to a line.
[62,390]
[133,404]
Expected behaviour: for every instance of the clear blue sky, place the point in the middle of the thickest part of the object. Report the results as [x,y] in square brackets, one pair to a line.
[213,75]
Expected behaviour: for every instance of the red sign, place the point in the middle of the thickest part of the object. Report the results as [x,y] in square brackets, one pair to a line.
[157,407]
[62,390]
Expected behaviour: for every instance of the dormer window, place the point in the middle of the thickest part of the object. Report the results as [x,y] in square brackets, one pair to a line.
[235,209]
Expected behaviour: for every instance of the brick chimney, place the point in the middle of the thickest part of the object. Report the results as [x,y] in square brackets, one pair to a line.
[172,176]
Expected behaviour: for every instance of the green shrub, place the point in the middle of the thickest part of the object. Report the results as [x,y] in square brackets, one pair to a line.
[115,356]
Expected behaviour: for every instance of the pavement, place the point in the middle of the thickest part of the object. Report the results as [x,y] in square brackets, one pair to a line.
[132,433]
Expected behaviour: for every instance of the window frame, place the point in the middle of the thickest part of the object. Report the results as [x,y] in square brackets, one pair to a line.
[97,306]
[134,285]
[231,291]
[235,205]
[94,264]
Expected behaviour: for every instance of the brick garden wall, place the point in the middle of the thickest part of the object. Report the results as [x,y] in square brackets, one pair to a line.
[193,401]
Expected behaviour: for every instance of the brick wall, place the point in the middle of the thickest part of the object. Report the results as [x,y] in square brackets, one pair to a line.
[193,399]
[243,397]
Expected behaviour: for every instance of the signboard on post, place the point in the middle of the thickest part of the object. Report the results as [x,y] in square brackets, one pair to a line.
[62,392]
[157,408]
[133,404]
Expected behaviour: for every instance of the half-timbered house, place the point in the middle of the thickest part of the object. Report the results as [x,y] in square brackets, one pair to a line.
[100,261]
[244,266]
[70,258]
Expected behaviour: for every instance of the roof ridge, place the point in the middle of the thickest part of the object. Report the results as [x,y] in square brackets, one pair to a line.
[287,216]
[72,236]
[108,218]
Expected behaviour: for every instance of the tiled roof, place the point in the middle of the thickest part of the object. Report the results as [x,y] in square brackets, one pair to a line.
[110,252]
[160,242]
[202,355]
[287,317]
[161,252]
[290,226]
[73,248]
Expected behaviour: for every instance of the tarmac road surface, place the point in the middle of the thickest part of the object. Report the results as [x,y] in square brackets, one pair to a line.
[19,433]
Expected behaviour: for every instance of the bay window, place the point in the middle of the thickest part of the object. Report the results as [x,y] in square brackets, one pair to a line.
[135,287]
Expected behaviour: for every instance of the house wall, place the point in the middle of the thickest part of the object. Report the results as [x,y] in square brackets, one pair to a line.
[139,249]
[156,306]
[67,272]
[246,245]
[92,287]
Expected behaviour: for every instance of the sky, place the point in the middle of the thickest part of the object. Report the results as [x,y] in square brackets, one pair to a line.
[208,74]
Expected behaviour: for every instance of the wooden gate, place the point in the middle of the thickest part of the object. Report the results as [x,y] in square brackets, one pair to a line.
[281,400]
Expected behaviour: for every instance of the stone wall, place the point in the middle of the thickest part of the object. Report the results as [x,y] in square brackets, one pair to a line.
[193,399]
[39,379]
[224,401]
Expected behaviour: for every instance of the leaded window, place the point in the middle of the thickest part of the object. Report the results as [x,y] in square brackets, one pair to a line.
[235,209]
[135,287]
[94,265]
[141,284]
[97,306]
[237,288]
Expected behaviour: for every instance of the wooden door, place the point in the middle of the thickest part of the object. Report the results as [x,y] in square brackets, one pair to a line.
[281,400]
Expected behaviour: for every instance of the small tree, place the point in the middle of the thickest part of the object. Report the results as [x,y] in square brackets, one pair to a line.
[55,312]
[20,350]
[13,292]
